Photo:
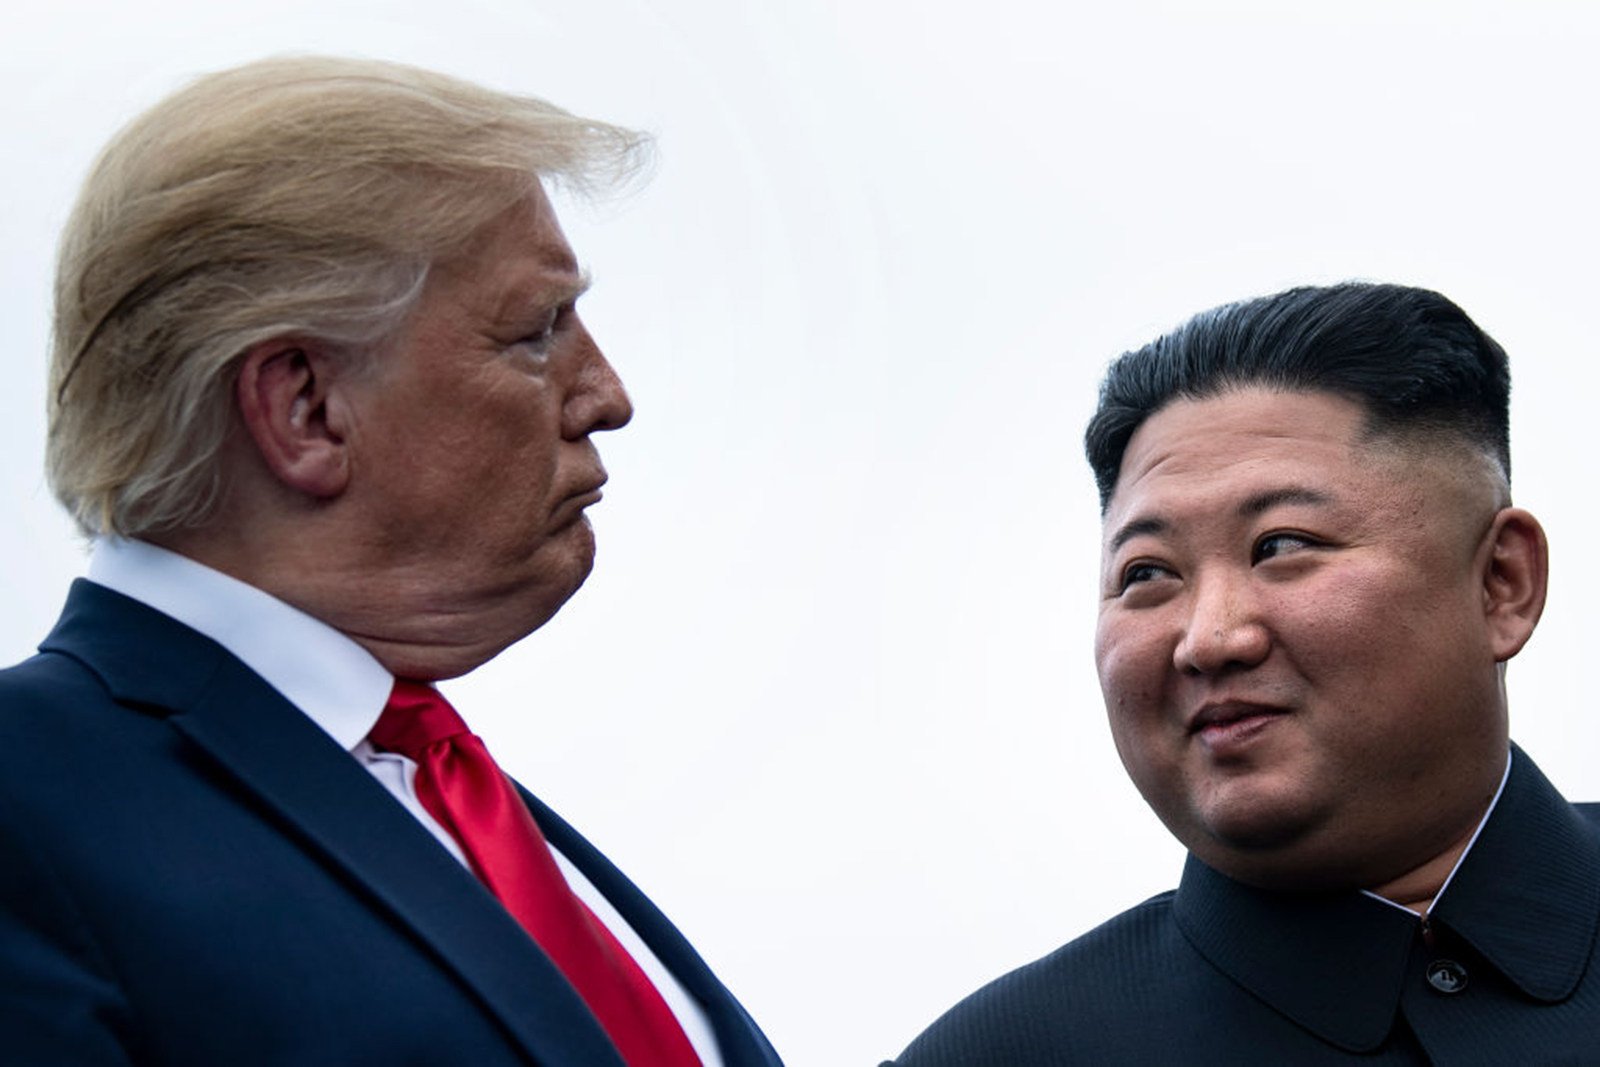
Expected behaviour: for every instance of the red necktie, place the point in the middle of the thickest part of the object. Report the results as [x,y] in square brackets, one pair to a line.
[462,787]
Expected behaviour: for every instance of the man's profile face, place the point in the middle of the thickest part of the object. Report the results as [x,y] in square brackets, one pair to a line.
[1291,639]
[473,453]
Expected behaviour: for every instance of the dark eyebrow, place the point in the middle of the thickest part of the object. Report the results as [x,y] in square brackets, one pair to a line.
[1137,528]
[1258,504]
[1292,494]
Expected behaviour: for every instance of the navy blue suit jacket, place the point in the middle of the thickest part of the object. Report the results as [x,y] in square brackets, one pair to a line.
[1221,973]
[193,873]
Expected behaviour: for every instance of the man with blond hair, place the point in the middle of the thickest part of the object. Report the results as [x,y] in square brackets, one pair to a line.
[321,397]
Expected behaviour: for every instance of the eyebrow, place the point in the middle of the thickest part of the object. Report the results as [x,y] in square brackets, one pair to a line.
[568,293]
[526,300]
[1289,494]
[1252,506]
[1137,528]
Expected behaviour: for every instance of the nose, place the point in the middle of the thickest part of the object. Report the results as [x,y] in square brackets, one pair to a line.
[1224,630]
[597,400]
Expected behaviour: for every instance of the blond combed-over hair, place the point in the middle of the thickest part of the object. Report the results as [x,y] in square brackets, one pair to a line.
[299,197]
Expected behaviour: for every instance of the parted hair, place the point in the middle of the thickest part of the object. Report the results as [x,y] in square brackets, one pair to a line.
[300,197]
[1413,361]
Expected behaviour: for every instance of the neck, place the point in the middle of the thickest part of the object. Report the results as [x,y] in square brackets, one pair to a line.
[1419,887]
[401,616]
[1416,889]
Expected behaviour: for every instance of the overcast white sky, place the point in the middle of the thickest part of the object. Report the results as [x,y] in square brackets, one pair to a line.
[837,644]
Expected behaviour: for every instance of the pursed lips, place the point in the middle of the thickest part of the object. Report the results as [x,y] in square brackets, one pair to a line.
[590,487]
[585,494]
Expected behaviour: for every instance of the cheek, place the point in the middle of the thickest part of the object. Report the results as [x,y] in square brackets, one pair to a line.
[1132,660]
[509,453]
[1133,669]
[1359,619]
[1379,648]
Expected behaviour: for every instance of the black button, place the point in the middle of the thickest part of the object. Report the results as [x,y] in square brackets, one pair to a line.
[1447,976]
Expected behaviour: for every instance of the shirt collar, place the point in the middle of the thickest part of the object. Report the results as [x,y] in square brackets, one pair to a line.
[335,682]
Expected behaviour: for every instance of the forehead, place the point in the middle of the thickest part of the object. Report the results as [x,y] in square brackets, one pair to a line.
[1196,455]
[1194,436]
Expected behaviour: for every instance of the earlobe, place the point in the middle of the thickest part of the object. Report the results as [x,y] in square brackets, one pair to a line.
[1516,571]
[285,392]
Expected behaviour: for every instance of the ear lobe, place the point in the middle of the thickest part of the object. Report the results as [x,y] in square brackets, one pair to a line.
[1514,581]
[283,392]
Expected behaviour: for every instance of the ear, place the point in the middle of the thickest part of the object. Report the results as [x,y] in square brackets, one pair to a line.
[287,397]
[1516,571]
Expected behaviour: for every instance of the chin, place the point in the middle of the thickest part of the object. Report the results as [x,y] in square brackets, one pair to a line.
[1299,865]
[1250,825]
[1261,834]
[573,551]
[555,583]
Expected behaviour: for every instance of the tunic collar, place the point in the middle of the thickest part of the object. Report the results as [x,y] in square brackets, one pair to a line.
[1527,897]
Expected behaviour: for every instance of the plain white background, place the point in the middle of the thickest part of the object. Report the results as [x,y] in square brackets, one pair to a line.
[829,695]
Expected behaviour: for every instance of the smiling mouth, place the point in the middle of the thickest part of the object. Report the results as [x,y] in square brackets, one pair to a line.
[1225,726]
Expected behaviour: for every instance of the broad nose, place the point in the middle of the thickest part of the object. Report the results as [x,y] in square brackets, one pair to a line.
[597,400]
[1225,629]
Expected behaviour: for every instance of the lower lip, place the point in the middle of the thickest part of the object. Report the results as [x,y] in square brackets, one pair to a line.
[572,510]
[1226,737]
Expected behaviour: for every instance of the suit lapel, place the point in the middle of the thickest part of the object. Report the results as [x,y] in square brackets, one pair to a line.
[741,1042]
[319,795]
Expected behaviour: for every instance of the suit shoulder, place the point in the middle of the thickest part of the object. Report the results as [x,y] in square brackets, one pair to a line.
[58,717]
[1059,1007]
[48,678]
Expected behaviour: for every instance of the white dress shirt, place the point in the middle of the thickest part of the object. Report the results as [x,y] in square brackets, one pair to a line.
[339,686]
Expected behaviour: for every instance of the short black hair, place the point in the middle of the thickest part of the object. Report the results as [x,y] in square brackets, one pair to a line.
[1410,357]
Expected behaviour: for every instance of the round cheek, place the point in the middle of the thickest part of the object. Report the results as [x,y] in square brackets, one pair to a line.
[1131,658]
[1378,652]
[1364,623]
[1132,667]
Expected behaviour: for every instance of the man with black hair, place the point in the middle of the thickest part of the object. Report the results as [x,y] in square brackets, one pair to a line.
[1312,579]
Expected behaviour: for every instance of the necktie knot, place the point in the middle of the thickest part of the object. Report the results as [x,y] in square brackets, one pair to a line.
[415,717]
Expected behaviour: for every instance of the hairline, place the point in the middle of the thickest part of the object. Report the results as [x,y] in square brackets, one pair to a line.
[1419,435]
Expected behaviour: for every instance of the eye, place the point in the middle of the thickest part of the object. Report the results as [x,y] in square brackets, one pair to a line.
[1140,573]
[1278,544]
[538,342]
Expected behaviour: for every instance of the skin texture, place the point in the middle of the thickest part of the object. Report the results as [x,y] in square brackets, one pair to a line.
[430,504]
[1302,634]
